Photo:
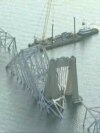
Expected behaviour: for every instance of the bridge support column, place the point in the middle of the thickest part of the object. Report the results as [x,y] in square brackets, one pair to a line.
[72,82]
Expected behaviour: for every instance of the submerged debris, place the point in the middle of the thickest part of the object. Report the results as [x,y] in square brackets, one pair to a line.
[48,80]
[92,114]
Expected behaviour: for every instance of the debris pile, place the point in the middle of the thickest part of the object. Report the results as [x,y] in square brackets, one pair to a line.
[49,81]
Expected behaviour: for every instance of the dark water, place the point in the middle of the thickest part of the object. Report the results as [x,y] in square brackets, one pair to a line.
[21,18]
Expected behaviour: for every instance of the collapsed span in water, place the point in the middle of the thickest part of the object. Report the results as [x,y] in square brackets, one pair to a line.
[49,81]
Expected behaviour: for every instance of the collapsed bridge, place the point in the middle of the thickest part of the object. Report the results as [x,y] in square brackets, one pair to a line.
[49,81]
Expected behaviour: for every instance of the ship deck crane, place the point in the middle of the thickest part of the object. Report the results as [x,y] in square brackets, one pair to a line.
[46,18]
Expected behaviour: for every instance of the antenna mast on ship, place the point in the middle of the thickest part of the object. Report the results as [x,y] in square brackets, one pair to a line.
[74,29]
[52,32]
[74,26]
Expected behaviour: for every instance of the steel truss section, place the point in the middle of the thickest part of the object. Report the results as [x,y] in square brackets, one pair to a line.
[8,42]
[92,114]
[47,80]
[30,68]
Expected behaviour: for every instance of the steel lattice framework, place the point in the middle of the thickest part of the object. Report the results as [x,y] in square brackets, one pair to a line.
[92,114]
[47,80]
[8,42]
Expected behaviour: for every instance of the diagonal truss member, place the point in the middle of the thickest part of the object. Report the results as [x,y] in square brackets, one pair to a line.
[8,42]
[92,119]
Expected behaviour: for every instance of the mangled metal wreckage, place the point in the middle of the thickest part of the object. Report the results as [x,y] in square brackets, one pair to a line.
[7,43]
[48,80]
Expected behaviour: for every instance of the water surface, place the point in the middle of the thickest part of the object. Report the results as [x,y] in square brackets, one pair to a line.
[24,19]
